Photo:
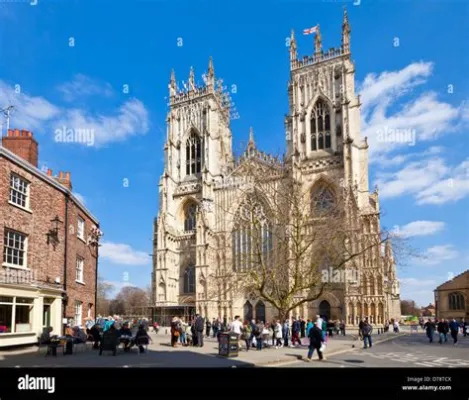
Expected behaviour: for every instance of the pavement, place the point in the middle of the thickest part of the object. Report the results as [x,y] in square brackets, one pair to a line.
[161,354]
[409,351]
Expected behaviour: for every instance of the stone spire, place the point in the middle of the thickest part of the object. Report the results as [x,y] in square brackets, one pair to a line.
[318,43]
[211,73]
[191,80]
[345,33]
[251,136]
[172,84]
[293,48]
[251,147]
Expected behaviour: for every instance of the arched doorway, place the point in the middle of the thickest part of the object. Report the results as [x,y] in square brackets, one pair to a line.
[248,311]
[325,309]
[260,311]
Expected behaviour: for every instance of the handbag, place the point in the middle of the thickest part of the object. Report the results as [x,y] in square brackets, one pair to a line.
[322,348]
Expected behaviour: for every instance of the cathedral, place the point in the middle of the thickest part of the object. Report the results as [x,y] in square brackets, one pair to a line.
[326,152]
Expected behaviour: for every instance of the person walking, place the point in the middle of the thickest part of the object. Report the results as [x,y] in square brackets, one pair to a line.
[441,331]
[175,331]
[309,325]
[295,332]
[366,329]
[277,326]
[315,343]
[199,330]
[430,327]
[236,327]
[454,329]
[464,327]
[246,334]
[286,332]
[302,327]
[208,327]
[258,334]
[342,327]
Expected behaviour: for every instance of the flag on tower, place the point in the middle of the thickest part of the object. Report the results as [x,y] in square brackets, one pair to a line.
[310,31]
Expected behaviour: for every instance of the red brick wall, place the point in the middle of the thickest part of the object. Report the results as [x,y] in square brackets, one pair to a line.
[46,202]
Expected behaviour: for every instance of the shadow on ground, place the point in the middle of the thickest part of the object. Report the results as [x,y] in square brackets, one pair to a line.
[152,358]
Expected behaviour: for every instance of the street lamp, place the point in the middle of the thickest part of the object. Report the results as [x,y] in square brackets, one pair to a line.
[53,234]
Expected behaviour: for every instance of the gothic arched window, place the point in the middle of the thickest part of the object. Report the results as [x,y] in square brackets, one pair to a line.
[189,279]
[322,199]
[252,239]
[193,154]
[320,126]
[456,301]
[190,217]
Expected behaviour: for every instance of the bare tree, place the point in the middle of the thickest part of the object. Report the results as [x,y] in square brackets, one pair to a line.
[409,307]
[288,245]
[133,299]
[104,290]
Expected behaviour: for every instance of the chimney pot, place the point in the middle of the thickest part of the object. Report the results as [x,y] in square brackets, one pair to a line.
[67,176]
[49,172]
[17,132]
[61,174]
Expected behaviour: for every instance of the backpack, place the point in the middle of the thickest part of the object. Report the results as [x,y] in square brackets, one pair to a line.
[367,329]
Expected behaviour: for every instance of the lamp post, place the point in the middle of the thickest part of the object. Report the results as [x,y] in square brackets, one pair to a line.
[53,234]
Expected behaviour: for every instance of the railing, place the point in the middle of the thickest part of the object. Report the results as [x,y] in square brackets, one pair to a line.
[308,60]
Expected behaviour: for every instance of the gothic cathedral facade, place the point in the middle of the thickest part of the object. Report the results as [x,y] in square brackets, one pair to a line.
[322,138]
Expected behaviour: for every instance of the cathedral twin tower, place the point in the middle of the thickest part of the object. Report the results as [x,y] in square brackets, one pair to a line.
[322,142]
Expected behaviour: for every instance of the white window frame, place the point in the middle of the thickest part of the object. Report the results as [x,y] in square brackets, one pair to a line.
[25,250]
[79,270]
[14,304]
[81,231]
[78,312]
[25,193]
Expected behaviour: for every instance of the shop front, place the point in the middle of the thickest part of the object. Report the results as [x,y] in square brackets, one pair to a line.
[25,311]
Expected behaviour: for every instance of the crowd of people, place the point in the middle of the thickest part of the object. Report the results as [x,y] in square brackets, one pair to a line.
[444,327]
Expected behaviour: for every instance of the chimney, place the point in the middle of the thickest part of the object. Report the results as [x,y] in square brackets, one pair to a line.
[64,179]
[23,144]
[49,172]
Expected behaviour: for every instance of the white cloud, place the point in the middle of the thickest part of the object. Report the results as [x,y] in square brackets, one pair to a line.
[38,114]
[83,86]
[419,228]
[118,253]
[29,112]
[414,282]
[437,254]
[430,181]
[423,118]
[131,119]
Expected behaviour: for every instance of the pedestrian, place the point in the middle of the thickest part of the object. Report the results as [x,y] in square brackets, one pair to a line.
[258,334]
[295,332]
[441,331]
[302,327]
[278,334]
[430,329]
[175,331]
[199,329]
[464,327]
[454,328]
[286,332]
[366,329]
[309,325]
[236,327]
[316,342]
[208,328]
[246,334]
[324,328]
[342,327]
[396,326]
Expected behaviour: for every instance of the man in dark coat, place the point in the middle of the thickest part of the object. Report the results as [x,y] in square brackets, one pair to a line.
[315,343]
[199,329]
[430,329]
[303,327]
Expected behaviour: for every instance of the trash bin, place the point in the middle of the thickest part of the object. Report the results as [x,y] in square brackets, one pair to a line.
[228,345]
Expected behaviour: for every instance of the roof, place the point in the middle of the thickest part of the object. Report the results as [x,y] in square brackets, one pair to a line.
[451,280]
[4,152]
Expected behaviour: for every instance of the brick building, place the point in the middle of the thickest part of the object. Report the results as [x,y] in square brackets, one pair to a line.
[49,246]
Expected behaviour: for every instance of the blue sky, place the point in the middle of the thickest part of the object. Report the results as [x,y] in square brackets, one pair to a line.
[105,65]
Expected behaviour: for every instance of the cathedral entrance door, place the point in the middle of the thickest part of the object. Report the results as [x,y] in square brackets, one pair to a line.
[248,311]
[260,311]
[325,309]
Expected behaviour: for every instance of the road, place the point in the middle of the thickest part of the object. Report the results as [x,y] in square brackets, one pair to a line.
[406,351]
